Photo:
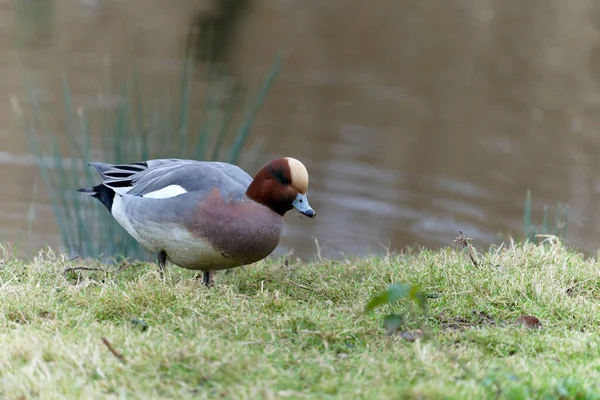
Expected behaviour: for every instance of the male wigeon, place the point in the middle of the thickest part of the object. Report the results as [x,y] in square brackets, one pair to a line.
[203,215]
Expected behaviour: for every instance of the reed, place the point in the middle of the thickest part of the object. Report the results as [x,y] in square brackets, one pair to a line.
[140,129]
[552,223]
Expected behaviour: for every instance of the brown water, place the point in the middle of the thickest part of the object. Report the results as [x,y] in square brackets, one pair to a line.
[415,119]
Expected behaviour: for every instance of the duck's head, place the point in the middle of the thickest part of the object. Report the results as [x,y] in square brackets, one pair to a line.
[282,185]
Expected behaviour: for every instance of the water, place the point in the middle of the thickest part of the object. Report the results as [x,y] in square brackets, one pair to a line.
[415,119]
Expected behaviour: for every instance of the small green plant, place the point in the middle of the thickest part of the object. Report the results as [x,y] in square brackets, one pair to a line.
[552,224]
[136,130]
[396,292]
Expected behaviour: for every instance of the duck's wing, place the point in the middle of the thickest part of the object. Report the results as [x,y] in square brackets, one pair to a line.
[164,178]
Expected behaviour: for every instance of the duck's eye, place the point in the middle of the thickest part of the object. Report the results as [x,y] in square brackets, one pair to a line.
[280,175]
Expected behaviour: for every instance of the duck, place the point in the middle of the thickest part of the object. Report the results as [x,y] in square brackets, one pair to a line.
[203,215]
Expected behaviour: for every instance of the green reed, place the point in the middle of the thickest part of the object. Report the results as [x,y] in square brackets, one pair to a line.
[551,224]
[139,130]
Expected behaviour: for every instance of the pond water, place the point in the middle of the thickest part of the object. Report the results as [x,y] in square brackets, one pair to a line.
[414,119]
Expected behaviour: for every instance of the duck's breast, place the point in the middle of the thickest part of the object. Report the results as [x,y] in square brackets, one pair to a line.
[242,229]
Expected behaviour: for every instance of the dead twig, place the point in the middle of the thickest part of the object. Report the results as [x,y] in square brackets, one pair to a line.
[302,286]
[67,270]
[463,241]
[113,350]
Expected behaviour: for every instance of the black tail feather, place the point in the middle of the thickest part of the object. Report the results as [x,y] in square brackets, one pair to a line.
[115,175]
[116,171]
[104,194]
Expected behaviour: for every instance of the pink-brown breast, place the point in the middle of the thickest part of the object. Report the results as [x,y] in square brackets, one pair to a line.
[242,230]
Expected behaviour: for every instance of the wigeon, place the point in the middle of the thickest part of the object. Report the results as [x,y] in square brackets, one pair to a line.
[203,215]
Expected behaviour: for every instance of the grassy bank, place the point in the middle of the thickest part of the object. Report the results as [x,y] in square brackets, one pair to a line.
[298,331]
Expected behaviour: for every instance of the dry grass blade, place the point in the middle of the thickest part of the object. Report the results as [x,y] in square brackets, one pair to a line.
[110,347]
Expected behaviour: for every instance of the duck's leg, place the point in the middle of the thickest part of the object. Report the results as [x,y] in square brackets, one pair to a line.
[162,261]
[206,278]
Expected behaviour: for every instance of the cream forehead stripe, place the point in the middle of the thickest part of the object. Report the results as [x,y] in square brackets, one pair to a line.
[299,174]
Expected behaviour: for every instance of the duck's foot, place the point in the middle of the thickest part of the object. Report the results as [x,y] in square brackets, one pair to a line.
[207,278]
[162,261]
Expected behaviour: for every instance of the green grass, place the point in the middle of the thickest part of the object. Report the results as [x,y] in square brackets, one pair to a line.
[273,330]
[141,127]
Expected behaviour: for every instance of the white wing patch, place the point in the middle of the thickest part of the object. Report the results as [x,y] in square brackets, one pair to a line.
[166,192]
[121,190]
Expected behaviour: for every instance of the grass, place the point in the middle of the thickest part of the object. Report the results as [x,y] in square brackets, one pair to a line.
[299,330]
[140,127]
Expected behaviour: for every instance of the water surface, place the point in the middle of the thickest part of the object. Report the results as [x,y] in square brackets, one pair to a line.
[415,119]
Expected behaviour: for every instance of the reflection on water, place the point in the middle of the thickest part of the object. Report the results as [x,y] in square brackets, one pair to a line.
[415,119]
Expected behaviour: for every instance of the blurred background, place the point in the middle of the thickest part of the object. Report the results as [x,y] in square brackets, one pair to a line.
[415,118]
